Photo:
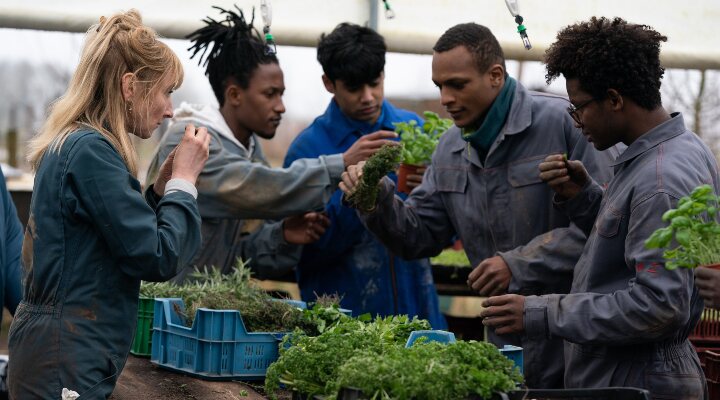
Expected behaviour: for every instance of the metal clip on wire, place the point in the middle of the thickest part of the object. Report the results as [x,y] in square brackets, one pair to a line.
[389,13]
[514,9]
[523,32]
[270,47]
[266,12]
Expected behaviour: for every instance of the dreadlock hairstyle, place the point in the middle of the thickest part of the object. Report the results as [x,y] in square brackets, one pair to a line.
[604,54]
[352,53]
[231,50]
[479,41]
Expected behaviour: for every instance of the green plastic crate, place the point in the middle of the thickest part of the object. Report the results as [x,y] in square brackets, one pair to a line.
[142,344]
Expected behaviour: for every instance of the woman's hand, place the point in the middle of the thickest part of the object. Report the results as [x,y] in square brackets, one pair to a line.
[191,154]
[165,174]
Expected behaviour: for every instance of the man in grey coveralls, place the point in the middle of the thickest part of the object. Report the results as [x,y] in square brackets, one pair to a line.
[627,318]
[483,185]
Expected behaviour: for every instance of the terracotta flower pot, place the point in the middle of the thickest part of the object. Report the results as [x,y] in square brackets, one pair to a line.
[403,172]
[711,266]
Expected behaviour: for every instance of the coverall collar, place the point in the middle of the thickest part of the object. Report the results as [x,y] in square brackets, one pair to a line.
[661,133]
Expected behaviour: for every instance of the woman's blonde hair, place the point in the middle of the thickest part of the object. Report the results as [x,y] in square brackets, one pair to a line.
[117,45]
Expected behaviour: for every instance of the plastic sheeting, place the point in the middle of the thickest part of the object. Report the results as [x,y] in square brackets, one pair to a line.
[418,23]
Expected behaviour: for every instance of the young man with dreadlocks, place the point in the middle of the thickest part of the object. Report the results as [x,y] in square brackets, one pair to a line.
[347,259]
[237,184]
[483,185]
[627,319]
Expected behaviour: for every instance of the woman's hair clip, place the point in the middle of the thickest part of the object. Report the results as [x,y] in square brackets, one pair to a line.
[102,21]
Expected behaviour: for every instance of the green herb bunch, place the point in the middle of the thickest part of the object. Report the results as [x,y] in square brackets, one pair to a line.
[694,228]
[311,364]
[419,142]
[431,371]
[378,165]
[451,258]
[237,291]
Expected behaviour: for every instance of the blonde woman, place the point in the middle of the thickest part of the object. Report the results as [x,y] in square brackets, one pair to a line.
[92,236]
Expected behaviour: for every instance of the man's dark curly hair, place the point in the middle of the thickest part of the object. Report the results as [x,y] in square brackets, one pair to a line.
[352,53]
[478,39]
[607,54]
[234,50]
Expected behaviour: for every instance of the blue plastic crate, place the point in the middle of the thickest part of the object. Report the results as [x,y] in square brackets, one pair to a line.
[216,347]
[431,336]
[515,354]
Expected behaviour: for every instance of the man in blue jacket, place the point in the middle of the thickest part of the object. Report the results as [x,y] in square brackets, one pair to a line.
[348,259]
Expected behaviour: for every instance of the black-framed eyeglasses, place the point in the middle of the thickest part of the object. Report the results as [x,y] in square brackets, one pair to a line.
[573,110]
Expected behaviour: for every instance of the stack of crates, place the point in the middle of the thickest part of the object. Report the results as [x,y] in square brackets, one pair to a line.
[707,330]
[712,373]
[706,339]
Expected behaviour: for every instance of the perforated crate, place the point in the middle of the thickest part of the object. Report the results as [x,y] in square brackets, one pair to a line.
[515,354]
[143,331]
[707,330]
[216,347]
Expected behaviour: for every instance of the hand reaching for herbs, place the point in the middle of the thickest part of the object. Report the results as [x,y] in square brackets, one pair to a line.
[306,228]
[360,182]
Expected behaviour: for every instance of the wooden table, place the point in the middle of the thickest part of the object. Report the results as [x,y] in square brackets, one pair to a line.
[142,379]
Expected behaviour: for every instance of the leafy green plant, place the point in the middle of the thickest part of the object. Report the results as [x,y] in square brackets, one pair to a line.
[237,291]
[430,371]
[419,142]
[451,258]
[692,229]
[378,165]
[310,365]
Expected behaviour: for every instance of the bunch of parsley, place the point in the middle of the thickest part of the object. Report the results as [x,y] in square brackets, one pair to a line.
[431,371]
[310,365]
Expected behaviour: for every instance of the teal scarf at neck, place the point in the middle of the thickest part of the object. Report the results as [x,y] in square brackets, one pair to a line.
[483,138]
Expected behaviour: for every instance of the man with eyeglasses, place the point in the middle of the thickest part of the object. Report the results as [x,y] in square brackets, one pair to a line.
[483,185]
[627,319]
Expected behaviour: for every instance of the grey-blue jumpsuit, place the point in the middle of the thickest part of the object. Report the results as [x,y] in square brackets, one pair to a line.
[627,318]
[91,237]
[237,189]
[498,205]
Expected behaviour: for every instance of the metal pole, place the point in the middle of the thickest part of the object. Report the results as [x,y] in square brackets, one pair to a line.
[373,23]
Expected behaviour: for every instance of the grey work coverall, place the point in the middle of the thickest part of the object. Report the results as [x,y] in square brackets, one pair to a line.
[235,189]
[627,319]
[498,206]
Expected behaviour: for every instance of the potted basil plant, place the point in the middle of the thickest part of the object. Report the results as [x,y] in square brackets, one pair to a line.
[695,230]
[419,142]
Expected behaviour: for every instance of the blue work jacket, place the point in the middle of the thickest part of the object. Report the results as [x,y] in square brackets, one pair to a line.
[91,237]
[11,237]
[348,259]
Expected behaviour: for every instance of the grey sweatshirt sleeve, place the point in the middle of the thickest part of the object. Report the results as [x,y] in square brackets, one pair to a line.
[234,186]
